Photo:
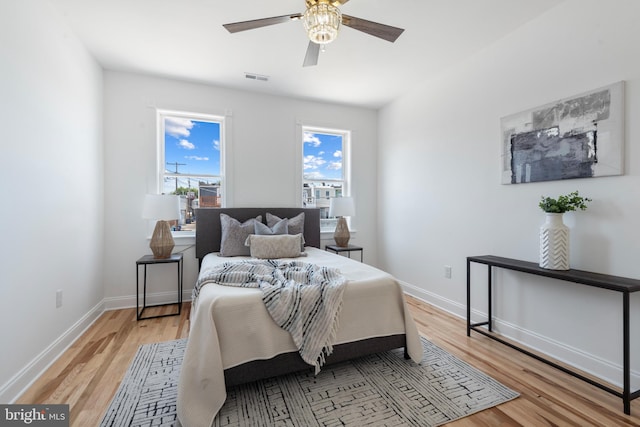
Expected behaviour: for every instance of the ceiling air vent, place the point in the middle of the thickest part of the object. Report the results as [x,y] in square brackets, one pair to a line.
[253,76]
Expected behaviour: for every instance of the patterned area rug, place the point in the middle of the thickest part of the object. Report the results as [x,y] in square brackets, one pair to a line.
[378,390]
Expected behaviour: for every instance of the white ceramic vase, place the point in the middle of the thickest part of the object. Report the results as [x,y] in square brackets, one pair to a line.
[554,243]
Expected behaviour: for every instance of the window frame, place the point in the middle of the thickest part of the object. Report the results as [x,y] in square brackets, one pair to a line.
[161,174]
[328,225]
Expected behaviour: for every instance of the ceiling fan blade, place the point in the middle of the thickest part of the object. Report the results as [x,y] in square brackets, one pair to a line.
[386,32]
[257,23]
[311,57]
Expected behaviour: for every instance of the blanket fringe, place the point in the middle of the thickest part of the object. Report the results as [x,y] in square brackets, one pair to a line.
[327,350]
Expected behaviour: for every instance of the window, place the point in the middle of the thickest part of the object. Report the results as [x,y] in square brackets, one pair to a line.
[191,162]
[325,160]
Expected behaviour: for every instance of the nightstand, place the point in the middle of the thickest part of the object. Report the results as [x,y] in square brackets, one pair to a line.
[348,249]
[150,260]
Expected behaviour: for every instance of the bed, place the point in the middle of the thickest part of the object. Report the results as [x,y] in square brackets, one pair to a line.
[233,339]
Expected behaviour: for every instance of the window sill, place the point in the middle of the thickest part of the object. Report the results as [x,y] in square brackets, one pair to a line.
[328,234]
[186,238]
[182,238]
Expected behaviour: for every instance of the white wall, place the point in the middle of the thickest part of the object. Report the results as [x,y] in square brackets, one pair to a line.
[69,217]
[441,197]
[52,190]
[265,165]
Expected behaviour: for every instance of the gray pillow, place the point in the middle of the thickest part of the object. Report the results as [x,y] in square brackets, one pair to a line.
[234,235]
[280,227]
[295,225]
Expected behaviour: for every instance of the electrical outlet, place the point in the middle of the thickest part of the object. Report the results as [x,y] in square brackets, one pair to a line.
[59,298]
[447,271]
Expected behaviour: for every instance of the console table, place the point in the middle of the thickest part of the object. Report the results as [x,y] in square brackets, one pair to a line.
[623,285]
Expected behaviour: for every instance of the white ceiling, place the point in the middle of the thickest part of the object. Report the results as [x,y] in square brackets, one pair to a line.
[184,39]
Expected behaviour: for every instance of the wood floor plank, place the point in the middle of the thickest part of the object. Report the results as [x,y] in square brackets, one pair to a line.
[88,374]
[549,397]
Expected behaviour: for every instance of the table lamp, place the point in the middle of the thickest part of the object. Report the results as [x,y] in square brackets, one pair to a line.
[340,207]
[162,208]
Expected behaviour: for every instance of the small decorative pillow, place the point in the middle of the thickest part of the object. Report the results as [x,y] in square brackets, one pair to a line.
[275,246]
[295,225]
[280,227]
[234,235]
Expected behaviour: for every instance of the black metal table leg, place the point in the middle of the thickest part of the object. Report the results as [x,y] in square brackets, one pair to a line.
[626,354]
[468,298]
[490,308]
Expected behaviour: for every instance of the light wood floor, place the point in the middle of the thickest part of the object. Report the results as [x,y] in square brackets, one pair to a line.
[88,374]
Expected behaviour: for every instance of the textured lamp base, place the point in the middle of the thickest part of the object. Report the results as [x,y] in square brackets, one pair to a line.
[162,241]
[342,235]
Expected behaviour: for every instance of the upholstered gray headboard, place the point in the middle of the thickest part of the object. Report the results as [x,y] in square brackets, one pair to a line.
[208,231]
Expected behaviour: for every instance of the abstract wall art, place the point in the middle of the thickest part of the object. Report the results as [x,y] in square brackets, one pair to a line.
[577,137]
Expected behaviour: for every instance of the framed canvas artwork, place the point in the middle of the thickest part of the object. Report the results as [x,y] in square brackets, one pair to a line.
[577,137]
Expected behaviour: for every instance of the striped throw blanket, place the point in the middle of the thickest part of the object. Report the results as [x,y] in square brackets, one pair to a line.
[302,298]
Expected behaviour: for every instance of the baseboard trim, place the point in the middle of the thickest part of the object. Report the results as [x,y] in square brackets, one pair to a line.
[21,381]
[606,370]
[450,306]
[129,301]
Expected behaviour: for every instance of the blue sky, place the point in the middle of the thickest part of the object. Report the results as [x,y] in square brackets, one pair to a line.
[322,156]
[195,144]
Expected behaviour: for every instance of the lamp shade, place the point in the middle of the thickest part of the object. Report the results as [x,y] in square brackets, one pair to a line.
[161,206]
[341,206]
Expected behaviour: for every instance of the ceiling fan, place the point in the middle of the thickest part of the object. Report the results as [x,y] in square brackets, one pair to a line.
[321,19]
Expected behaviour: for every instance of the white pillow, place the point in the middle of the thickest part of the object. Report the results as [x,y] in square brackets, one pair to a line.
[275,246]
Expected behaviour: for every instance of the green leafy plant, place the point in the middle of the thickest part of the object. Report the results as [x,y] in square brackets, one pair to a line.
[562,204]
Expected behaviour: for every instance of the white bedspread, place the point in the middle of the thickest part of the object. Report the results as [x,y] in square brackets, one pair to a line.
[231,326]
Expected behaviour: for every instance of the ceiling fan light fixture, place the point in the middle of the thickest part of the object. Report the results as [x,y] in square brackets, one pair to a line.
[322,22]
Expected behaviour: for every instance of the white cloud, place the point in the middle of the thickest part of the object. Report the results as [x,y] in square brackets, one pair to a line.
[196,158]
[216,145]
[313,175]
[310,138]
[335,166]
[178,127]
[186,144]
[338,153]
[313,162]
